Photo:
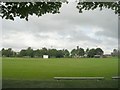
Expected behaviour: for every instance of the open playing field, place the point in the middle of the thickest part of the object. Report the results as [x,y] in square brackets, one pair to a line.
[37,72]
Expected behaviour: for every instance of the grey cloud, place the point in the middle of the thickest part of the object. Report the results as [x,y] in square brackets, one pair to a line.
[105,19]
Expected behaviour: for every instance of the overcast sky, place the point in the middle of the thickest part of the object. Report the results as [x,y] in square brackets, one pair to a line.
[66,30]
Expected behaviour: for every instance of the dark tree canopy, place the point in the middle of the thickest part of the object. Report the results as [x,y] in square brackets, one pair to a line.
[8,52]
[99,51]
[10,10]
[93,5]
[91,52]
[24,9]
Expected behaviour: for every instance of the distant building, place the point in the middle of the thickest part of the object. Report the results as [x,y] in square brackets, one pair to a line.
[26,56]
[45,56]
[85,55]
[107,55]
[98,56]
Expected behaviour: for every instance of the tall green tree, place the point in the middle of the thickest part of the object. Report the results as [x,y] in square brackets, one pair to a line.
[60,54]
[3,51]
[73,52]
[81,52]
[99,51]
[77,52]
[44,51]
[66,53]
[92,53]
[7,52]
[22,53]
[87,50]
[52,53]
[37,53]
[29,52]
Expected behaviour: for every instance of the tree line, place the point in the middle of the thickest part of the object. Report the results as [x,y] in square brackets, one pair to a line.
[52,53]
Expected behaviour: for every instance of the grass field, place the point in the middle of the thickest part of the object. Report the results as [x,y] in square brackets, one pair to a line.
[37,72]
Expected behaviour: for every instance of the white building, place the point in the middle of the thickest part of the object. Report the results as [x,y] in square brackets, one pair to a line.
[45,56]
